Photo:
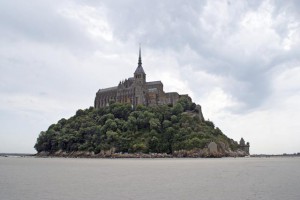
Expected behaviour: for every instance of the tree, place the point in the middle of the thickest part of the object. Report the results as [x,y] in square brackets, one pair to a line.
[177,109]
[185,102]
[154,124]
[209,123]
[159,129]
[153,144]
[139,147]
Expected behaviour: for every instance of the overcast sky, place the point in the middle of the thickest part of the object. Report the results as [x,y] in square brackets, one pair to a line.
[239,59]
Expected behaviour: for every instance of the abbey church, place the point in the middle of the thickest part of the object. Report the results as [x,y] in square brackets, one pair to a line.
[136,91]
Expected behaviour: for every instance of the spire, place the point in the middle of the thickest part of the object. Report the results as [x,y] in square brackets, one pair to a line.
[140,58]
[139,69]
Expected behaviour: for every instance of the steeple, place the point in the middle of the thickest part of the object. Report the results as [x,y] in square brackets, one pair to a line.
[139,69]
[140,58]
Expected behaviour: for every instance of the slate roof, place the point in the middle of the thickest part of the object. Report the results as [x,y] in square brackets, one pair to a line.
[154,83]
[139,70]
[110,89]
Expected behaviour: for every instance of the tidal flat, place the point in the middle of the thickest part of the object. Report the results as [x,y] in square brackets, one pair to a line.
[31,178]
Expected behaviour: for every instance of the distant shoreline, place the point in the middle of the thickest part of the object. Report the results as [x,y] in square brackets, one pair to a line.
[275,155]
[16,154]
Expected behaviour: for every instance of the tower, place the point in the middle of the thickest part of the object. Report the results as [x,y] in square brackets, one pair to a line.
[139,74]
[245,146]
[140,82]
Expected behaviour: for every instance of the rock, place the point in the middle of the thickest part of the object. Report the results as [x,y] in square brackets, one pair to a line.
[200,114]
[222,147]
[213,148]
[43,153]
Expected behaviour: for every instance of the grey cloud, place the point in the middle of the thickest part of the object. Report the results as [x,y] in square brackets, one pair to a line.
[40,21]
[175,25]
[164,26]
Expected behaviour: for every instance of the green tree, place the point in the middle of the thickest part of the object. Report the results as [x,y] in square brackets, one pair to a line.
[159,129]
[177,109]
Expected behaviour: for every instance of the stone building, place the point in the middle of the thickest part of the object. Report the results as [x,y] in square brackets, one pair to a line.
[245,146]
[136,91]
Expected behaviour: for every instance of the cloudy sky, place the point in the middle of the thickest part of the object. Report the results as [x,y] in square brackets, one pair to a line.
[239,59]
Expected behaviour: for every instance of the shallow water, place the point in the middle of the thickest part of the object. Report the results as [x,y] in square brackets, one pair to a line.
[226,178]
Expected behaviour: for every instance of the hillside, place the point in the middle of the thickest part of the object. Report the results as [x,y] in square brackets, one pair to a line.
[120,131]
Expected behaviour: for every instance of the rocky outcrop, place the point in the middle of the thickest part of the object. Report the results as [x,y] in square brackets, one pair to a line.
[102,154]
[199,111]
[213,150]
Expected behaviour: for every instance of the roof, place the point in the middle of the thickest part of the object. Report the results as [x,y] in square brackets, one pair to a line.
[172,93]
[154,83]
[110,89]
[139,70]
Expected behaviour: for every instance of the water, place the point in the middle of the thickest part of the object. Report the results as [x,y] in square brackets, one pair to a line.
[169,179]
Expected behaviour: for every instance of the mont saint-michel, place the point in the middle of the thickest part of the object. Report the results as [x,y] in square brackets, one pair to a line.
[137,91]
[137,118]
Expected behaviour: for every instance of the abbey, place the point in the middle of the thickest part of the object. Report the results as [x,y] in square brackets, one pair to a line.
[136,91]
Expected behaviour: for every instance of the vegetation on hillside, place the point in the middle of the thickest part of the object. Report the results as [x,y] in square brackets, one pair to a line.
[159,129]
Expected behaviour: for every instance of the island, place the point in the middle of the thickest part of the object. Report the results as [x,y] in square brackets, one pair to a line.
[138,119]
